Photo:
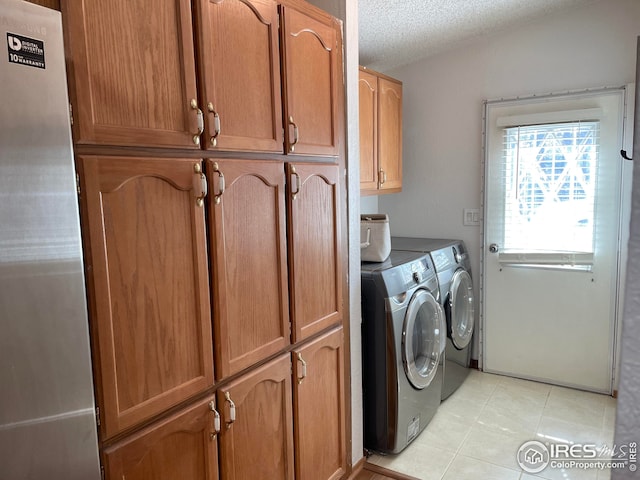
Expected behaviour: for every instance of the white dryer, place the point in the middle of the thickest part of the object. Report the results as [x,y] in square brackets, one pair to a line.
[453,268]
[402,345]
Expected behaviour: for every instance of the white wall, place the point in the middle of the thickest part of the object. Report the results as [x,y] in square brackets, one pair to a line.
[442,107]
[369,204]
[628,411]
[353,162]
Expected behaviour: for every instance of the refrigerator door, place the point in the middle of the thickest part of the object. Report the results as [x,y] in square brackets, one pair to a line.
[47,409]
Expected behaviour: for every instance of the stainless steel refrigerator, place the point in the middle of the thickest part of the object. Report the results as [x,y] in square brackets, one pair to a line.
[47,409]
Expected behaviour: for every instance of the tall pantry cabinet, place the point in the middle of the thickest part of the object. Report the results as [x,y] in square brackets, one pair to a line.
[210,151]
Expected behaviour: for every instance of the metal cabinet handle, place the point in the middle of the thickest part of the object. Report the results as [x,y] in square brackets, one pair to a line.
[304,368]
[295,134]
[383,177]
[216,420]
[221,184]
[295,193]
[196,136]
[232,409]
[216,125]
[200,183]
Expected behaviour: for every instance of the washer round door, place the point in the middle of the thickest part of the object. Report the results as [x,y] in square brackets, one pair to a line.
[461,309]
[422,338]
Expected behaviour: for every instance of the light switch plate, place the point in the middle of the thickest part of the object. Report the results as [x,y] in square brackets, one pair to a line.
[471,217]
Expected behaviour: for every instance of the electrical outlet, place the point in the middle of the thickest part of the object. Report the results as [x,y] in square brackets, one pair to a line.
[471,217]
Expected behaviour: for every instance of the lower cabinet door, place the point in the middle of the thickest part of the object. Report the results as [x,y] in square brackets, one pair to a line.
[181,446]
[256,438]
[319,408]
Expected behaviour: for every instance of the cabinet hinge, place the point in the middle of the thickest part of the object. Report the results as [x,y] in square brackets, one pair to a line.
[102,472]
[71,113]
[98,416]
[78,184]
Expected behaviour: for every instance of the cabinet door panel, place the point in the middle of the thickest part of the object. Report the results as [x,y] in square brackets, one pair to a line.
[368,89]
[312,63]
[314,248]
[319,408]
[259,443]
[182,446]
[240,67]
[390,133]
[133,71]
[147,261]
[248,237]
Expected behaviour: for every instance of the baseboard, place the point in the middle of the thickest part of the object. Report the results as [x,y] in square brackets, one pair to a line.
[387,473]
[357,468]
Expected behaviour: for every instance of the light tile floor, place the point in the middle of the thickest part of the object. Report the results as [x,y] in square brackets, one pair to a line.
[477,431]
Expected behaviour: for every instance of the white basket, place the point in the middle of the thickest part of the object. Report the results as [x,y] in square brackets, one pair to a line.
[375,237]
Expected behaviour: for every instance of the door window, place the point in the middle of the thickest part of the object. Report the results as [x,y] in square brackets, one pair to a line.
[550,176]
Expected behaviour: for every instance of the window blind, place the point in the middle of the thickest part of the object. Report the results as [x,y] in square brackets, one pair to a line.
[550,173]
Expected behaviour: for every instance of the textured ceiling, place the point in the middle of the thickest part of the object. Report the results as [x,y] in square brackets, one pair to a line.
[397,32]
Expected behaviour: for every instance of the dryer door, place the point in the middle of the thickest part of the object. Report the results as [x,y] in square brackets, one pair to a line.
[461,309]
[422,338]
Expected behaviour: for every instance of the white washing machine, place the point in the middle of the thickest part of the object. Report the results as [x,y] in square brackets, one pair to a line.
[451,261]
[402,345]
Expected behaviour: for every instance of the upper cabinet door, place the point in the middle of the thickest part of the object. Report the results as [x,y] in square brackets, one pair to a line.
[146,260]
[368,89]
[312,58]
[314,248]
[248,245]
[132,69]
[390,134]
[240,72]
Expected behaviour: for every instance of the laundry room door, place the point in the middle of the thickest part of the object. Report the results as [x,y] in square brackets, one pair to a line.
[553,176]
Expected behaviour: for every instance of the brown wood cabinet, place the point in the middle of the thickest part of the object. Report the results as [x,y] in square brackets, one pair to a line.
[312,82]
[319,408]
[236,260]
[249,261]
[132,70]
[256,439]
[368,97]
[240,74]
[146,251]
[380,133]
[183,445]
[315,269]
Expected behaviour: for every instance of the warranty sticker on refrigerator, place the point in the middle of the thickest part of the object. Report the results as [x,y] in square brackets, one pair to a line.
[25,50]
